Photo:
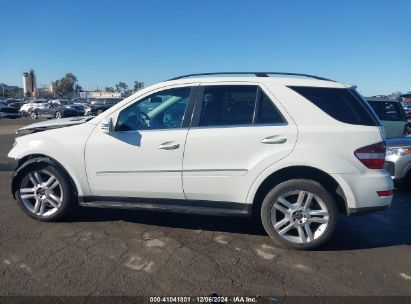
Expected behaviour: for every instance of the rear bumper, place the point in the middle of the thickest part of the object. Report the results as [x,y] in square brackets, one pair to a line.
[366,210]
[360,190]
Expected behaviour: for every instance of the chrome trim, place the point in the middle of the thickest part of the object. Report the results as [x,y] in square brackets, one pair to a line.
[169,171]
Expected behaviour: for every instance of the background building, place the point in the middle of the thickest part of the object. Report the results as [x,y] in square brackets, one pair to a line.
[29,84]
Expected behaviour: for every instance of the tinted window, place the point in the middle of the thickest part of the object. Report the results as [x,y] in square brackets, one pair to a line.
[267,112]
[388,110]
[162,110]
[228,105]
[341,104]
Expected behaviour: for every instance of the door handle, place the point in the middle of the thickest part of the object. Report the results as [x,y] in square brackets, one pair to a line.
[276,139]
[169,145]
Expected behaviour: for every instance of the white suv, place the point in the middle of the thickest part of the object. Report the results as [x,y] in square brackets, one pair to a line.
[295,151]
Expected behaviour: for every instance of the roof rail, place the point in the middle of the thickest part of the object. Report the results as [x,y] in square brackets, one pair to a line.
[258,74]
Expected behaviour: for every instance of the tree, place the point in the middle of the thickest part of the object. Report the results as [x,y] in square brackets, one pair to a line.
[67,85]
[138,85]
[121,87]
[109,89]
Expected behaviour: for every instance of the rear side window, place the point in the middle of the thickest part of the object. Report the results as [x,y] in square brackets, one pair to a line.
[388,110]
[267,112]
[342,104]
[228,105]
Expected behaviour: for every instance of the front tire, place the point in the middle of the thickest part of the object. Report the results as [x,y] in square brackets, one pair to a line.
[299,214]
[44,193]
[58,115]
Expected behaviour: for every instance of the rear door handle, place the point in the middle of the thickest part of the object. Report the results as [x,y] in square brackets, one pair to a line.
[276,139]
[169,145]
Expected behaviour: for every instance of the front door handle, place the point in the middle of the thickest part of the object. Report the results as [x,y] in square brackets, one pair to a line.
[276,139]
[169,145]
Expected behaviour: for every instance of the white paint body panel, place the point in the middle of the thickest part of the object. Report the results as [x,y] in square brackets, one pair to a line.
[131,164]
[219,164]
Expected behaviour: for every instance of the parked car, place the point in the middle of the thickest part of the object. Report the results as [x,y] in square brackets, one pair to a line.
[398,159]
[391,114]
[80,108]
[292,151]
[96,107]
[8,112]
[15,103]
[52,110]
[32,104]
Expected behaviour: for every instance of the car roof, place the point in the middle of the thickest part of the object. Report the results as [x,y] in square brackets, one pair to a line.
[381,99]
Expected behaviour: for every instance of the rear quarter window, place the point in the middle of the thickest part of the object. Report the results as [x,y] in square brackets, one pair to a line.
[344,105]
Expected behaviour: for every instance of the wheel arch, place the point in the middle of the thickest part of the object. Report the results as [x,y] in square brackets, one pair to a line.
[34,159]
[300,172]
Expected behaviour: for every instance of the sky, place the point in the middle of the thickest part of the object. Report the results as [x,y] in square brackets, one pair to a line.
[366,43]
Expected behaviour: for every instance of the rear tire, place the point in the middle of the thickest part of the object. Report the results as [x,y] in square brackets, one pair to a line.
[299,214]
[45,193]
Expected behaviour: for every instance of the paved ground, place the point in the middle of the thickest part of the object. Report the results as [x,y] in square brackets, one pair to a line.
[114,252]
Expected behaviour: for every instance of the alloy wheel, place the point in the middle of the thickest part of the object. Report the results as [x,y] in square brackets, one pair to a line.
[41,193]
[58,115]
[299,216]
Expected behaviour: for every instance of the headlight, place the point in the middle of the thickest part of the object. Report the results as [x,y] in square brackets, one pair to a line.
[399,151]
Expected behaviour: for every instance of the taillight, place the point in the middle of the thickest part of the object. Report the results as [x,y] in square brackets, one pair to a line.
[372,156]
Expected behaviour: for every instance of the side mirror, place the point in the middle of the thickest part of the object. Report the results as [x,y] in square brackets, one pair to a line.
[106,125]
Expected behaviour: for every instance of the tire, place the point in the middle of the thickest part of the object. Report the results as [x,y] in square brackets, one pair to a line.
[292,221]
[33,115]
[99,112]
[58,115]
[56,194]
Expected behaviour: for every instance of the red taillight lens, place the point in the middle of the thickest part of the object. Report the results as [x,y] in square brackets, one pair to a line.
[385,193]
[372,156]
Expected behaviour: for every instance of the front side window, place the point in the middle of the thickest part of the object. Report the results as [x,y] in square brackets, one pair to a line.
[228,105]
[161,110]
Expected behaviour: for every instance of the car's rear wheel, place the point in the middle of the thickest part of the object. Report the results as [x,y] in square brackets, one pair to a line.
[58,114]
[99,112]
[299,214]
[33,115]
[43,191]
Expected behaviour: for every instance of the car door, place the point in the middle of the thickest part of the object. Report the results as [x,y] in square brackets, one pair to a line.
[142,157]
[238,130]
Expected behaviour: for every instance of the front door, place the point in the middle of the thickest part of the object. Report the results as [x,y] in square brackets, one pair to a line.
[143,155]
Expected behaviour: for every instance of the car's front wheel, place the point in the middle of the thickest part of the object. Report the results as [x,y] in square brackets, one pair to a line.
[299,214]
[58,114]
[43,191]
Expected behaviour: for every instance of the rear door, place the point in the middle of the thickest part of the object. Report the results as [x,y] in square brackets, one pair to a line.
[238,130]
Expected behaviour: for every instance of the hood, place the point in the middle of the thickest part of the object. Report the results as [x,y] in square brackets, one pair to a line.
[53,124]
[398,142]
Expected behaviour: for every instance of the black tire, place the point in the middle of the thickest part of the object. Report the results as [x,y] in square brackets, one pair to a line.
[297,185]
[99,112]
[58,114]
[68,202]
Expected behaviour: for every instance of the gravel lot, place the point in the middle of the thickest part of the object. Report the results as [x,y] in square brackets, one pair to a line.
[115,252]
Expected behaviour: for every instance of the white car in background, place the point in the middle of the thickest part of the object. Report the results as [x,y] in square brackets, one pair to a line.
[32,104]
[294,151]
